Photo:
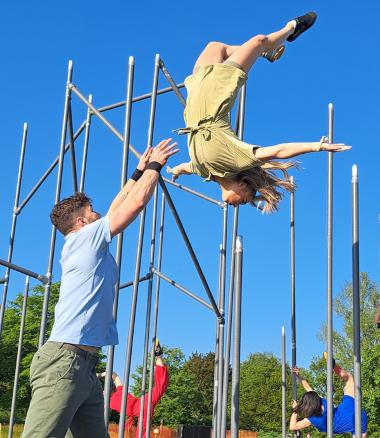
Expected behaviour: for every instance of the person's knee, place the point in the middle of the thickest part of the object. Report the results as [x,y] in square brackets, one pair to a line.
[215,46]
[260,40]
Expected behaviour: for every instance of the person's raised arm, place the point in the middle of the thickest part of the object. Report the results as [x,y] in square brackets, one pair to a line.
[289,150]
[302,380]
[137,174]
[181,169]
[132,203]
[294,423]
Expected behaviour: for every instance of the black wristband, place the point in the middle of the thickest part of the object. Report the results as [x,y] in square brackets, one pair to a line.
[154,165]
[378,325]
[136,175]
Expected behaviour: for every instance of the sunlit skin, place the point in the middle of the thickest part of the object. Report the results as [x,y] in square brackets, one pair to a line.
[234,192]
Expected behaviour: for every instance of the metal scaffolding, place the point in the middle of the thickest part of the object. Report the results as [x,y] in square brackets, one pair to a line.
[226,310]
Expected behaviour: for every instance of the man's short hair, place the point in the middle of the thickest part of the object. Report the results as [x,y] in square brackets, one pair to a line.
[65,212]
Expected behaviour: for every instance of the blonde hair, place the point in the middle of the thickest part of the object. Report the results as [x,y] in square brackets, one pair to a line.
[269,186]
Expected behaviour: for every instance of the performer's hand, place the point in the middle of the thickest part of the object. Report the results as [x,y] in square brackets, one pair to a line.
[294,404]
[144,159]
[174,171]
[163,151]
[334,147]
[296,371]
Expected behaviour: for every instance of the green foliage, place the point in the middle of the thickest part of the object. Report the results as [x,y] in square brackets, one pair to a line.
[260,393]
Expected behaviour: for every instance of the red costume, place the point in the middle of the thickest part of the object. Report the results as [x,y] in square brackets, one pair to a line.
[161,381]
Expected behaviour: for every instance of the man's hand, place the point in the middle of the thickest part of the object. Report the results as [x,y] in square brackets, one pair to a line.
[296,371]
[163,151]
[144,159]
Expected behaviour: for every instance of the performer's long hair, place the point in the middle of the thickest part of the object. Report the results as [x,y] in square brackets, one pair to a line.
[264,181]
[310,405]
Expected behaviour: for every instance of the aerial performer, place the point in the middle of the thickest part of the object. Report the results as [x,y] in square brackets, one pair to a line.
[313,408]
[244,172]
[161,381]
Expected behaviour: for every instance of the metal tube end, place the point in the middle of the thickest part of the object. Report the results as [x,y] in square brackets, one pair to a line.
[25,126]
[70,67]
[331,106]
[355,171]
[131,60]
[90,98]
[283,330]
[157,58]
[292,180]
[239,244]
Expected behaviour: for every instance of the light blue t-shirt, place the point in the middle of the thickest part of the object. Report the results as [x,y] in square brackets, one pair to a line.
[83,314]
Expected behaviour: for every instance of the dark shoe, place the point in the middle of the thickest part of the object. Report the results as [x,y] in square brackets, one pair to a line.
[158,349]
[274,55]
[303,23]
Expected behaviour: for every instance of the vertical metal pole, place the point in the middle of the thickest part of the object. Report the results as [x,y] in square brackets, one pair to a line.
[329,279]
[148,318]
[57,197]
[85,146]
[283,380]
[72,152]
[226,367]
[155,316]
[13,226]
[235,392]
[18,358]
[293,293]
[356,301]
[119,245]
[219,351]
[128,356]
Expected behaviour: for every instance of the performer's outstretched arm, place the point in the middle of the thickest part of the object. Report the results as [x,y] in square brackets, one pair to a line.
[289,150]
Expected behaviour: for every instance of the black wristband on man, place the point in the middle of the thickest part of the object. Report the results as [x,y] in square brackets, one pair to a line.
[154,165]
[136,175]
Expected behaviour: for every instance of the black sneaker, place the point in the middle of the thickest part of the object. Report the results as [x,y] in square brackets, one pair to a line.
[158,351]
[303,23]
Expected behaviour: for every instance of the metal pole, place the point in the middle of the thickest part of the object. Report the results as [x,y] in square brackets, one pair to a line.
[18,358]
[329,279]
[293,293]
[283,381]
[226,367]
[356,301]
[119,245]
[25,271]
[172,83]
[235,388]
[57,197]
[29,196]
[155,316]
[14,223]
[128,356]
[219,347]
[85,147]
[148,318]
[72,152]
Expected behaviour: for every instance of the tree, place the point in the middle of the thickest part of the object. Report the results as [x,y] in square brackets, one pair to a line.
[260,393]
[343,349]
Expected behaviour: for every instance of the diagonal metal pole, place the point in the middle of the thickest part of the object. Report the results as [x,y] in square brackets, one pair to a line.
[168,197]
[149,413]
[128,356]
[57,198]
[18,358]
[13,226]
[172,83]
[29,196]
[85,147]
[356,301]
[330,405]
[25,271]
[72,151]
[235,386]
[119,244]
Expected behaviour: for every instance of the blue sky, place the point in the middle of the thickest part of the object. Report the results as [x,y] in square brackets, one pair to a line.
[287,101]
